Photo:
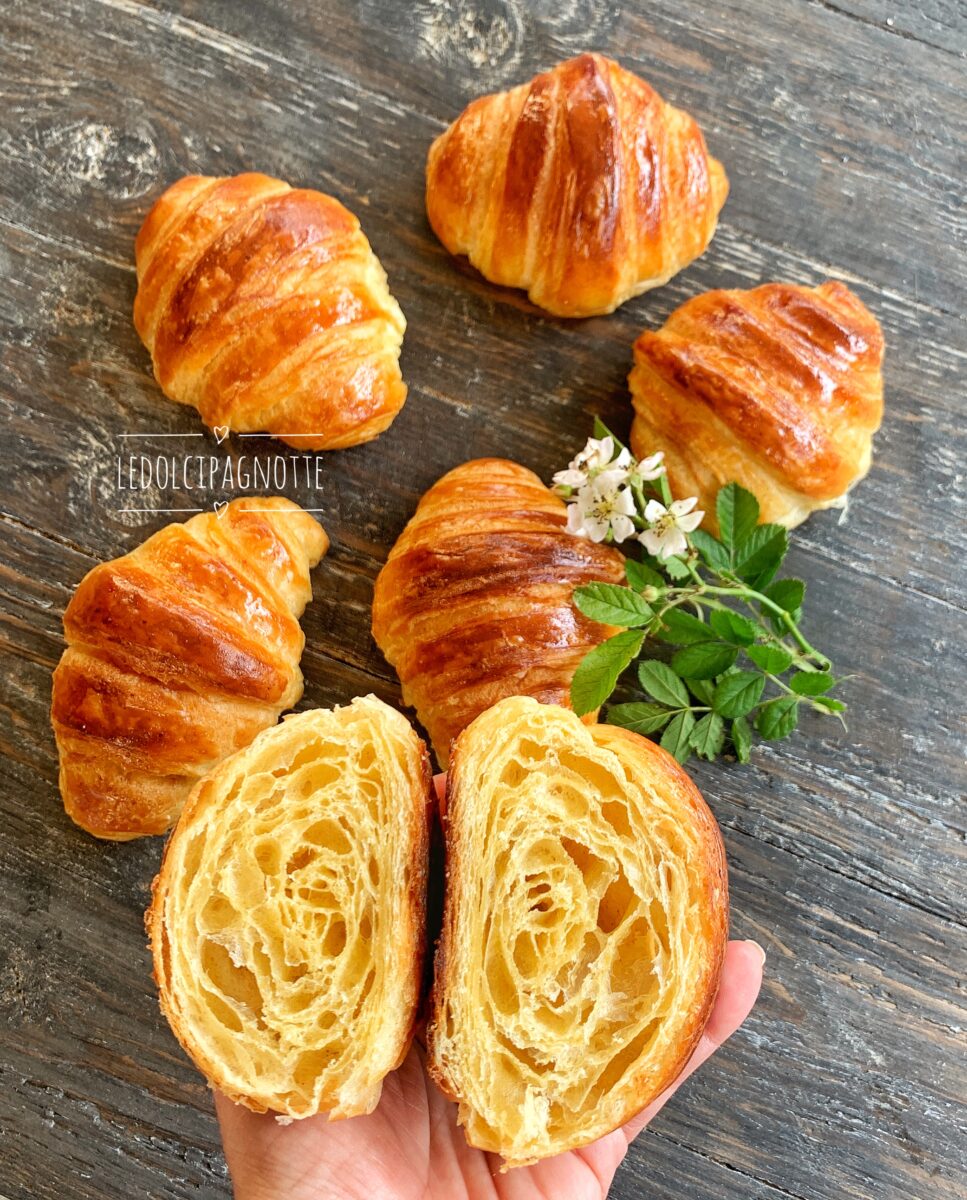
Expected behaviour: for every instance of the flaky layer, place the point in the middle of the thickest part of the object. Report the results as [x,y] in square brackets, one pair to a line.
[288,919]
[178,654]
[778,388]
[265,308]
[474,603]
[584,930]
[583,187]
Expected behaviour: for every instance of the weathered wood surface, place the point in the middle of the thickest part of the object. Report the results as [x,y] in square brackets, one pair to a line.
[843,136]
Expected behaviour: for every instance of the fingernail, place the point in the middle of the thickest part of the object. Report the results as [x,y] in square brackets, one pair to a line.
[762,953]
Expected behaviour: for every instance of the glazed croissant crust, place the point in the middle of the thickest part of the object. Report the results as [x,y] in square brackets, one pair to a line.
[778,388]
[583,187]
[265,307]
[474,602]
[288,919]
[178,654]
[584,929]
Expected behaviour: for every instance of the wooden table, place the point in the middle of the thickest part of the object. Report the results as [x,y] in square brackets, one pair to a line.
[842,124]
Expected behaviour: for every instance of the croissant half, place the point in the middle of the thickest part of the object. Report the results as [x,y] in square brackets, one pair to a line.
[583,187]
[178,654]
[474,602]
[584,929]
[288,918]
[779,388]
[265,308]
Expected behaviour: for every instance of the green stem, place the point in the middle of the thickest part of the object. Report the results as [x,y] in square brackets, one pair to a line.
[750,595]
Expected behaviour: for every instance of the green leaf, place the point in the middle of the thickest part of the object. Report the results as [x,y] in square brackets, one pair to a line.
[778,718]
[733,627]
[612,604]
[675,568]
[831,705]
[598,671]
[738,694]
[738,514]
[682,629]
[741,733]
[772,659]
[703,660]
[676,735]
[759,556]
[708,736]
[788,594]
[711,549]
[640,575]
[639,717]
[602,431]
[662,684]
[702,689]
[811,683]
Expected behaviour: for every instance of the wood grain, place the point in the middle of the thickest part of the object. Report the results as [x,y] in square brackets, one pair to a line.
[843,136]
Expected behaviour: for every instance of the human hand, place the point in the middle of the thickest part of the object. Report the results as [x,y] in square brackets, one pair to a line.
[411,1148]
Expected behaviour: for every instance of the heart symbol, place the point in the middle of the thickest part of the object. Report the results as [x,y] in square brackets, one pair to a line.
[220,432]
[220,506]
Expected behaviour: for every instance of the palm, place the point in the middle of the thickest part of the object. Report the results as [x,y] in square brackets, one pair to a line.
[411,1147]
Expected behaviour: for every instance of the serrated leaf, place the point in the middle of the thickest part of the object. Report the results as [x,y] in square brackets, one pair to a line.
[811,683]
[778,718]
[831,705]
[788,594]
[598,671]
[741,734]
[640,575]
[738,514]
[612,604]
[759,556]
[682,629]
[702,689]
[711,549]
[733,627]
[676,735]
[704,660]
[662,684]
[772,659]
[708,736]
[675,568]
[737,694]
[639,717]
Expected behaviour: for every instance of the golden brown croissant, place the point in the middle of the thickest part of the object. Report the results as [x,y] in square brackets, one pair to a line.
[583,187]
[778,388]
[178,654]
[288,919]
[266,309]
[474,603]
[584,929]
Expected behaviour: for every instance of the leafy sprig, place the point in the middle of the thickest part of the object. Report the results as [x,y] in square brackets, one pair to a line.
[740,667]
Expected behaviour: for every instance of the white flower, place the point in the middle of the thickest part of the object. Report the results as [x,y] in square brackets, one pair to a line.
[598,455]
[650,468]
[666,537]
[602,507]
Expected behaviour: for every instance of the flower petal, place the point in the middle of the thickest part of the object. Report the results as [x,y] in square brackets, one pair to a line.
[651,541]
[569,478]
[622,528]
[654,511]
[624,503]
[678,508]
[673,543]
[690,521]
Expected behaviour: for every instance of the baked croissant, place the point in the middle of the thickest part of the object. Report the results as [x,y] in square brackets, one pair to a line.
[778,388]
[178,654]
[583,187]
[474,602]
[265,308]
[584,929]
[288,919]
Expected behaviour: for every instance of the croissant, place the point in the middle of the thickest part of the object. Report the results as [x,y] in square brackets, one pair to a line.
[778,388]
[265,308]
[583,187]
[584,929]
[288,919]
[474,602]
[178,654]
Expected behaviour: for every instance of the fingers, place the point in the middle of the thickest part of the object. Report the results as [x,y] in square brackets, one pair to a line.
[741,980]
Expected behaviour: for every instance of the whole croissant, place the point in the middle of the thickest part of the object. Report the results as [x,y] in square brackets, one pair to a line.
[778,388]
[582,186]
[178,654]
[474,602]
[265,308]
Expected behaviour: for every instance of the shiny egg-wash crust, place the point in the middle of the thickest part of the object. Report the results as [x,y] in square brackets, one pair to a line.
[288,919]
[582,187]
[779,388]
[474,603]
[584,930]
[265,308]
[178,654]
